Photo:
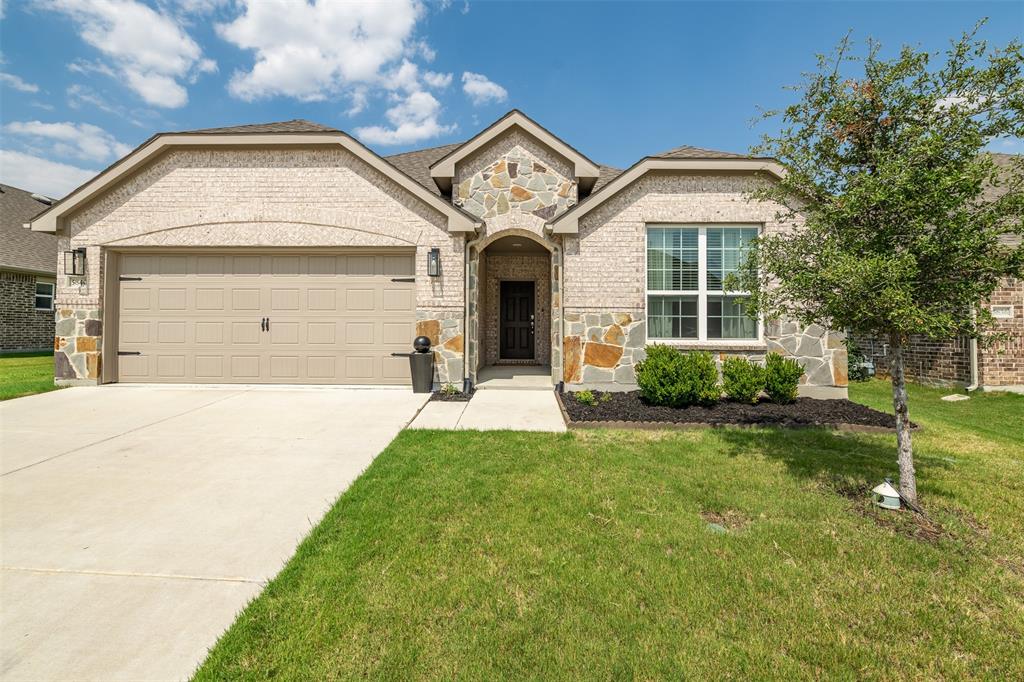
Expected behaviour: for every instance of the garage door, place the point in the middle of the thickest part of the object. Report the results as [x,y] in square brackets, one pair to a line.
[293,318]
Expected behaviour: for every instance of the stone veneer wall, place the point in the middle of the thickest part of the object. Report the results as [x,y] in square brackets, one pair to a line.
[297,197]
[502,267]
[602,348]
[22,327]
[444,328]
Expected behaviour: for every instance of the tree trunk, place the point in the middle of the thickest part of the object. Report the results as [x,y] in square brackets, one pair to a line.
[905,453]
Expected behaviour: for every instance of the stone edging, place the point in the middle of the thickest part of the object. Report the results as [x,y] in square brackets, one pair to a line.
[686,426]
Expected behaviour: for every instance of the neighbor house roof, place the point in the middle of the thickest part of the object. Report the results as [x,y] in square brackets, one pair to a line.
[21,248]
[294,132]
[993,192]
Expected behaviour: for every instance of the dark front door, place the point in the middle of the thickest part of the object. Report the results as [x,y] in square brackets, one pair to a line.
[516,327]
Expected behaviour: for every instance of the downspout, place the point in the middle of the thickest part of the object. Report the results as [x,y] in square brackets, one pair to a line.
[975,382]
[470,243]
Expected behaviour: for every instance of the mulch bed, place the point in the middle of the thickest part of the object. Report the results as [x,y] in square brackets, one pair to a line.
[627,409]
[459,397]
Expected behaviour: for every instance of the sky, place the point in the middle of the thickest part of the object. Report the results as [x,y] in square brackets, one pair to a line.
[83,82]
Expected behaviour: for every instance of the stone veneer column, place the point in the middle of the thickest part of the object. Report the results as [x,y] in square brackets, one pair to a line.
[444,329]
[78,328]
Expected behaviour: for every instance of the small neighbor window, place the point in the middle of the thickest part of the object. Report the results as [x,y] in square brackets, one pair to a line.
[686,270]
[1002,312]
[44,295]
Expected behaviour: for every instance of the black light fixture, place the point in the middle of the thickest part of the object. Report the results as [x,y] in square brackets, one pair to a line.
[434,262]
[74,262]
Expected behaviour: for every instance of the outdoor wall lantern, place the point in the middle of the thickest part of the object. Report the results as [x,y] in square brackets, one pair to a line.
[434,262]
[74,262]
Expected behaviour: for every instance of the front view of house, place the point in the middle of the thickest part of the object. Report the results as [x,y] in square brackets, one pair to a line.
[290,253]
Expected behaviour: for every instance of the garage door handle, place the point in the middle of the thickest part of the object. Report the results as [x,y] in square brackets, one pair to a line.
[400,355]
[129,352]
[403,279]
[124,278]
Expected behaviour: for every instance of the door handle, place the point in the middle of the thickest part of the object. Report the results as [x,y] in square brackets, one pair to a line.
[264,324]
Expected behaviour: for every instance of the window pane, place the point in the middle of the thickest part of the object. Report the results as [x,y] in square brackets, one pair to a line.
[727,319]
[44,288]
[672,317]
[44,303]
[727,248]
[672,259]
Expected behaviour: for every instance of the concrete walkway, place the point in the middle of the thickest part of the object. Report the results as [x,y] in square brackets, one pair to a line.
[523,410]
[137,521]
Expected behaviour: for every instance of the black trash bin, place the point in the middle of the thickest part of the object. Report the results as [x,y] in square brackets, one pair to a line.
[421,364]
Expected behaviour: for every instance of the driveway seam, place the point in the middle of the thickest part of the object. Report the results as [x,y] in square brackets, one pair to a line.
[119,435]
[129,574]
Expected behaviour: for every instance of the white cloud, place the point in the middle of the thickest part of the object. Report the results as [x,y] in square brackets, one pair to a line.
[481,90]
[413,119]
[148,50]
[17,83]
[437,80]
[312,51]
[40,175]
[82,140]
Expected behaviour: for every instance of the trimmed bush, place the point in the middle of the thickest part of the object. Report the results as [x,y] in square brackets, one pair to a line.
[742,380]
[782,376]
[669,377]
[659,376]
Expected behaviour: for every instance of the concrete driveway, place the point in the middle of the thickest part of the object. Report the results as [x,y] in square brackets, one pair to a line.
[137,521]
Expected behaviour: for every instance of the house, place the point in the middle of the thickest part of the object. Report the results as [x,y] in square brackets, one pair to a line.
[995,365]
[28,269]
[291,253]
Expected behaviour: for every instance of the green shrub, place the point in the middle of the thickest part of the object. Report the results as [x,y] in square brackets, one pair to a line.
[856,361]
[449,390]
[742,380]
[668,377]
[782,376]
[585,398]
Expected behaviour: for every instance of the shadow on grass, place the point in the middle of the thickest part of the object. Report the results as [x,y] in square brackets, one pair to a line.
[842,460]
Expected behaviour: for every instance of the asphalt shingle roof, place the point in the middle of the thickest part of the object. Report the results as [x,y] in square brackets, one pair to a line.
[20,248]
[297,125]
[689,152]
[416,164]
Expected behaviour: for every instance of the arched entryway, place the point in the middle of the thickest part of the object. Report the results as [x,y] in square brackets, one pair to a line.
[515,296]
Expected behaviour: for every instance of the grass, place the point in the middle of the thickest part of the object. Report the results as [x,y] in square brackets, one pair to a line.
[24,374]
[504,555]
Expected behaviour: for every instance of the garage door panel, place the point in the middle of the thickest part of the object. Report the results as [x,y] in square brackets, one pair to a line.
[333,318]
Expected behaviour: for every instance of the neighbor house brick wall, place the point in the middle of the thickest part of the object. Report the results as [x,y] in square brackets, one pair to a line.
[299,197]
[605,288]
[1001,362]
[948,363]
[939,363]
[22,327]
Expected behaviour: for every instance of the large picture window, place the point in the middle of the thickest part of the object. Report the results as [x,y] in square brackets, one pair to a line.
[686,268]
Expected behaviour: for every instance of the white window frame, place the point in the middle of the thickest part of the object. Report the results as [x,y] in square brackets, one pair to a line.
[53,294]
[702,292]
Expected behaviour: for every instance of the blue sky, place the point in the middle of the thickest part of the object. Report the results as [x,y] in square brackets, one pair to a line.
[84,81]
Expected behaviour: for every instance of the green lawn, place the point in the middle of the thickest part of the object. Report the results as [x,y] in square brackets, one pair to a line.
[587,555]
[25,373]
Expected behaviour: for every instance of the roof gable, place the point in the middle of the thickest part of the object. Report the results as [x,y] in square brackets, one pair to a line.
[297,132]
[443,170]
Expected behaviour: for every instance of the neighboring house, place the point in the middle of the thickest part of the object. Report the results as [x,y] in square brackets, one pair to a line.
[290,253]
[995,365]
[28,268]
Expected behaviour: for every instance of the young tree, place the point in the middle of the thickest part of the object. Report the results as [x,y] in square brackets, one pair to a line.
[887,178]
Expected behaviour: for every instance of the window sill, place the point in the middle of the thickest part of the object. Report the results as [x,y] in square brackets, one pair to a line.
[721,344]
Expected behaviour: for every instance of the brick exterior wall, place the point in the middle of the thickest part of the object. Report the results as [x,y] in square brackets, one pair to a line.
[1001,363]
[936,363]
[502,267]
[948,363]
[22,327]
[259,198]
